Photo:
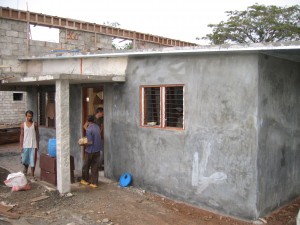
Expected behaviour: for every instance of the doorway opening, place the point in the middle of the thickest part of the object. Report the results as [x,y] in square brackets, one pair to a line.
[93,98]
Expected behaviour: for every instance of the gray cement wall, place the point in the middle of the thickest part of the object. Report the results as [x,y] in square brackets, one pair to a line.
[278,158]
[76,125]
[212,163]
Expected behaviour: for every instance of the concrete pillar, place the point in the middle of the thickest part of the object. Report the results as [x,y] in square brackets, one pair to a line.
[63,135]
[31,101]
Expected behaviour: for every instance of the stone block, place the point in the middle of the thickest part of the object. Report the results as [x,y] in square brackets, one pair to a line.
[2,33]
[17,40]
[23,35]
[6,39]
[5,52]
[18,27]
[11,33]
[5,26]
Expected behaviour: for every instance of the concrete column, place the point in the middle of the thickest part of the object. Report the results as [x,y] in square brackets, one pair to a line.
[63,136]
[31,101]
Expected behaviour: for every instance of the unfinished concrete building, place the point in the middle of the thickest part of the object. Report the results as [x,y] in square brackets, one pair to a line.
[213,126]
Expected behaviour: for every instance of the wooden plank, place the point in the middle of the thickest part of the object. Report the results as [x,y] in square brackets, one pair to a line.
[5,208]
[4,212]
[39,198]
[32,17]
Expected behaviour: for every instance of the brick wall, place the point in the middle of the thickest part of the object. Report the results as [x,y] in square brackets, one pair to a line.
[12,111]
[13,44]
[13,41]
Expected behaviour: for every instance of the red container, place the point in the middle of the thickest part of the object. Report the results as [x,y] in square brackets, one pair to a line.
[48,177]
[48,169]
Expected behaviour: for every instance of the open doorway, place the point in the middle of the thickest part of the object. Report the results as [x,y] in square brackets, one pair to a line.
[93,98]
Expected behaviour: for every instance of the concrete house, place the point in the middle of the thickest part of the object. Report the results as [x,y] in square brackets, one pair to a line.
[237,148]
[213,126]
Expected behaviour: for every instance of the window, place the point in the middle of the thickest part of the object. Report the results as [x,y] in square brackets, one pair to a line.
[48,34]
[17,96]
[46,105]
[162,106]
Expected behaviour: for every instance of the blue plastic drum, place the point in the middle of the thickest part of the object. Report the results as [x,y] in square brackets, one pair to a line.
[125,179]
[52,147]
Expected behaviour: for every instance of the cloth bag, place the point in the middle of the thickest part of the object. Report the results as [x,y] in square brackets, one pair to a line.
[17,181]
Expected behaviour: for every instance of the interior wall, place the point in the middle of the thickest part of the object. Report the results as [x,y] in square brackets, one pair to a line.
[279,133]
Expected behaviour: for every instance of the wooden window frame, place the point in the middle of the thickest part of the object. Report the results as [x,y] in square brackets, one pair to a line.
[43,100]
[162,118]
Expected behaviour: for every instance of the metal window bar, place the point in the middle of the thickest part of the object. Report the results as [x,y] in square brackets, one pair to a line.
[50,99]
[174,106]
[42,109]
[152,106]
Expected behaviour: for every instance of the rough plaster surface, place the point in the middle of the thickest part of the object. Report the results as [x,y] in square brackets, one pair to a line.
[62,108]
[279,133]
[76,125]
[212,163]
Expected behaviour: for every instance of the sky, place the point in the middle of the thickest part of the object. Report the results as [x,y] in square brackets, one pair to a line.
[183,20]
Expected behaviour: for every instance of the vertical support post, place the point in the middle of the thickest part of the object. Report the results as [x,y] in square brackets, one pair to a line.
[32,101]
[28,31]
[63,135]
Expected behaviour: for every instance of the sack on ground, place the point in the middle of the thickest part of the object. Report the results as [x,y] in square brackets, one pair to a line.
[17,181]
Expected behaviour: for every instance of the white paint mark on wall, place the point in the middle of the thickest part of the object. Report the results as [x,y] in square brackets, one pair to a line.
[47,77]
[195,169]
[28,79]
[198,179]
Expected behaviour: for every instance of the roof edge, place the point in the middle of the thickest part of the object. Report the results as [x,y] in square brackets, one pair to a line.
[293,45]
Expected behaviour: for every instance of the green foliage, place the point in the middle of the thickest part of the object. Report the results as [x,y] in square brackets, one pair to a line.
[258,23]
[112,24]
[117,46]
[126,46]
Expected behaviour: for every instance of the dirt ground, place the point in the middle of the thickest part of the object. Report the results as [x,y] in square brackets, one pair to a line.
[108,204]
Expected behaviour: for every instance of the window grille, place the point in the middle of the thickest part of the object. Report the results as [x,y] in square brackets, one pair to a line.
[45,99]
[152,106]
[162,106]
[174,106]
[42,108]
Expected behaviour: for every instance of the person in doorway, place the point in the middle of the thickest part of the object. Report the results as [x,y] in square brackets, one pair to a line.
[29,142]
[98,119]
[92,153]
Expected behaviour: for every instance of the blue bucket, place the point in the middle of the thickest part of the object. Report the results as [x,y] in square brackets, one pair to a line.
[125,179]
[52,147]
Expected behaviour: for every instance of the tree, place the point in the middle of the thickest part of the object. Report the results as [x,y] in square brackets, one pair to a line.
[258,23]
[112,24]
[115,45]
